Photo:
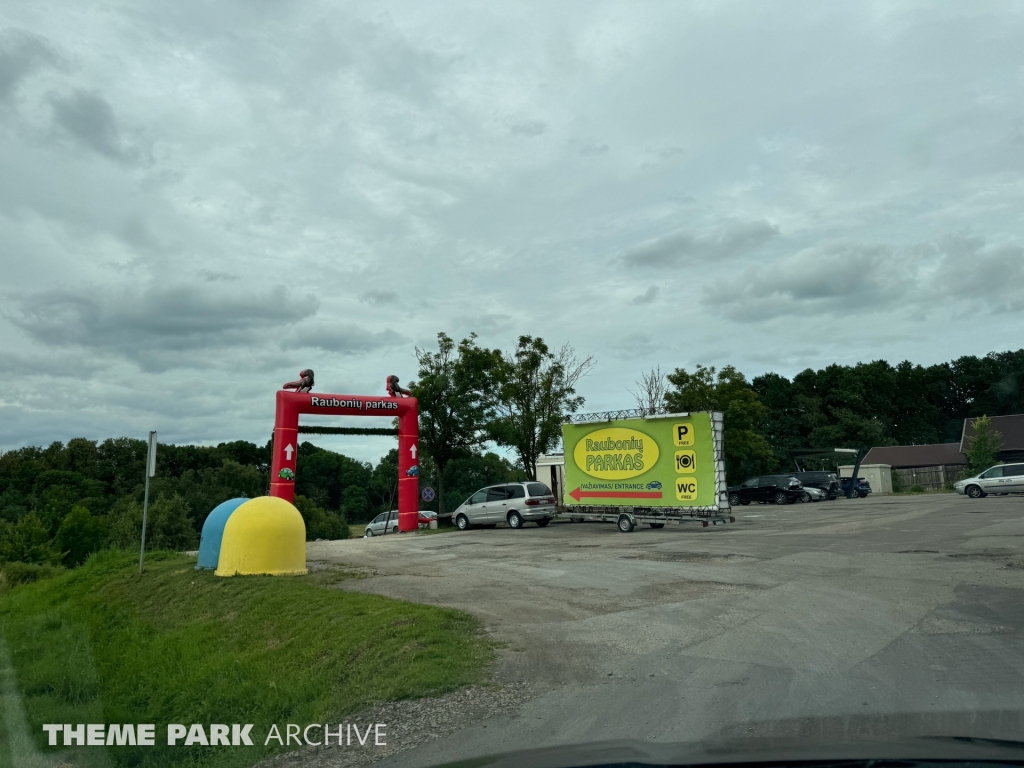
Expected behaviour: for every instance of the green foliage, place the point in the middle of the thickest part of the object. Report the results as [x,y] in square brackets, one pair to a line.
[535,389]
[80,534]
[13,574]
[168,525]
[747,451]
[103,644]
[454,396]
[321,524]
[897,481]
[880,404]
[983,445]
[917,489]
[27,541]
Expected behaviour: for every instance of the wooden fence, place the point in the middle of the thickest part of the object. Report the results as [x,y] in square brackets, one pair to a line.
[930,478]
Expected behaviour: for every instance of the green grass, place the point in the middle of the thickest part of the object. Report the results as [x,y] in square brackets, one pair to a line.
[102,644]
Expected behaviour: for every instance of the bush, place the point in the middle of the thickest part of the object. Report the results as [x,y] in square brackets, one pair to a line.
[80,534]
[897,481]
[321,523]
[27,541]
[12,574]
[917,489]
[168,525]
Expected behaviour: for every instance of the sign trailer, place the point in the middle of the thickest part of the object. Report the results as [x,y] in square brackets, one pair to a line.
[645,469]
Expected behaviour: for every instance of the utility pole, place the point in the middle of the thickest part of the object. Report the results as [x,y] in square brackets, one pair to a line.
[150,471]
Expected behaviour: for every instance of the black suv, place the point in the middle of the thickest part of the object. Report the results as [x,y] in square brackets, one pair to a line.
[826,481]
[780,489]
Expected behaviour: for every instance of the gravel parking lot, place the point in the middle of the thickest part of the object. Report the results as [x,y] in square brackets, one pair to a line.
[793,618]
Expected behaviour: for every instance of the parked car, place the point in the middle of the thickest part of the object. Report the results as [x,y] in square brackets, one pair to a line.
[512,503]
[388,522]
[826,481]
[1004,478]
[863,486]
[385,522]
[812,494]
[780,489]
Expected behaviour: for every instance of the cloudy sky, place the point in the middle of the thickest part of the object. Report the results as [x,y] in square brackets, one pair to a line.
[199,199]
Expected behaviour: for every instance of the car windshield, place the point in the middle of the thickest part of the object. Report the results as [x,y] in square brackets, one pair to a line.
[411,383]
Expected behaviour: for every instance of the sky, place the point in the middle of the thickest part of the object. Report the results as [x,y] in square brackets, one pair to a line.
[197,200]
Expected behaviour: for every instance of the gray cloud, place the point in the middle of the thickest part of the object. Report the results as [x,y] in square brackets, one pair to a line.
[646,297]
[733,239]
[137,323]
[344,338]
[528,128]
[89,119]
[21,54]
[379,298]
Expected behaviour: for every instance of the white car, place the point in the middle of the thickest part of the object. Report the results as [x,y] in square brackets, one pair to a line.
[512,503]
[1003,478]
[385,522]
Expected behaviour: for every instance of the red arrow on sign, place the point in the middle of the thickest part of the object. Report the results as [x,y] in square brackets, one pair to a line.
[578,494]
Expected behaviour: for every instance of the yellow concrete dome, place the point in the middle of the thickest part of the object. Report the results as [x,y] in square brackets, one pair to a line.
[265,536]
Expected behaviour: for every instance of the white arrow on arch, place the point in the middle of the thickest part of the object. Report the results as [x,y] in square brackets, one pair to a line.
[288,451]
[412,450]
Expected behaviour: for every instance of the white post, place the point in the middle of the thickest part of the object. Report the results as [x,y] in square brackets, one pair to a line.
[150,471]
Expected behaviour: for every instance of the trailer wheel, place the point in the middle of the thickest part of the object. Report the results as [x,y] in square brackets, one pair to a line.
[543,521]
[625,523]
[656,525]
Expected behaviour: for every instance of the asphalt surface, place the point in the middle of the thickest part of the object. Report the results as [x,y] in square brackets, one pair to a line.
[867,618]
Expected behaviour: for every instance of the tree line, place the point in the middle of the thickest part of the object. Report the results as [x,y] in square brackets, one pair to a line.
[840,406]
[62,502]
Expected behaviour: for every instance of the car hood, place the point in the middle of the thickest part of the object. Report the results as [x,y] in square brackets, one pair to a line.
[753,751]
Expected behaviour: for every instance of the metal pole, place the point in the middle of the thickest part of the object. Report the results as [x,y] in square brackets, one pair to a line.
[150,471]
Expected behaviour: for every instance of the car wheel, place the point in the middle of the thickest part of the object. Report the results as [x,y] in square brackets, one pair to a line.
[625,523]
[367,534]
[780,497]
[975,492]
[745,502]
[734,500]
[656,525]
[544,521]
[515,520]
[805,497]
[395,529]
[862,494]
[462,522]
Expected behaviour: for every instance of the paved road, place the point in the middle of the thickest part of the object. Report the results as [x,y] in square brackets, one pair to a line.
[793,619]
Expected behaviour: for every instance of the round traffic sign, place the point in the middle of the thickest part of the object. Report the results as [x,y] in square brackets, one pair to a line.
[427,494]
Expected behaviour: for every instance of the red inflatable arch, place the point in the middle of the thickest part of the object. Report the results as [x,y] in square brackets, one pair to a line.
[286,442]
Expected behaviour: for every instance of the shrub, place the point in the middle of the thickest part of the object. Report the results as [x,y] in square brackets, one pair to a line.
[321,523]
[80,534]
[12,574]
[168,525]
[917,489]
[27,541]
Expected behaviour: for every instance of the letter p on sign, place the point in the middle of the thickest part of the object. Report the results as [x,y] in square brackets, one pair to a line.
[682,434]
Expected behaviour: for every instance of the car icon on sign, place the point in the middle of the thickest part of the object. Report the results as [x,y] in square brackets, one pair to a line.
[654,485]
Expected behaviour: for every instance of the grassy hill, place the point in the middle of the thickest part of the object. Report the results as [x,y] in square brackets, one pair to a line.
[102,644]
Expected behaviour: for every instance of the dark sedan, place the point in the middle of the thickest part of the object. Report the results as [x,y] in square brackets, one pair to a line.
[778,489]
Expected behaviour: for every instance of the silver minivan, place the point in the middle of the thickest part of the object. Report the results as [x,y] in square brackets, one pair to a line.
[512,503]
[1004,478]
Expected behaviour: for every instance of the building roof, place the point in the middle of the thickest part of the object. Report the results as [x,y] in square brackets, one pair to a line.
[1010,427]
[900,456]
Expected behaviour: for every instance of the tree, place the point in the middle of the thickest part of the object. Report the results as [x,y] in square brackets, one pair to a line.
[536,389]
[650,392]
[80,534]
[321,523]
[453,396]
[27,541]
[747,452]
[983,446]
